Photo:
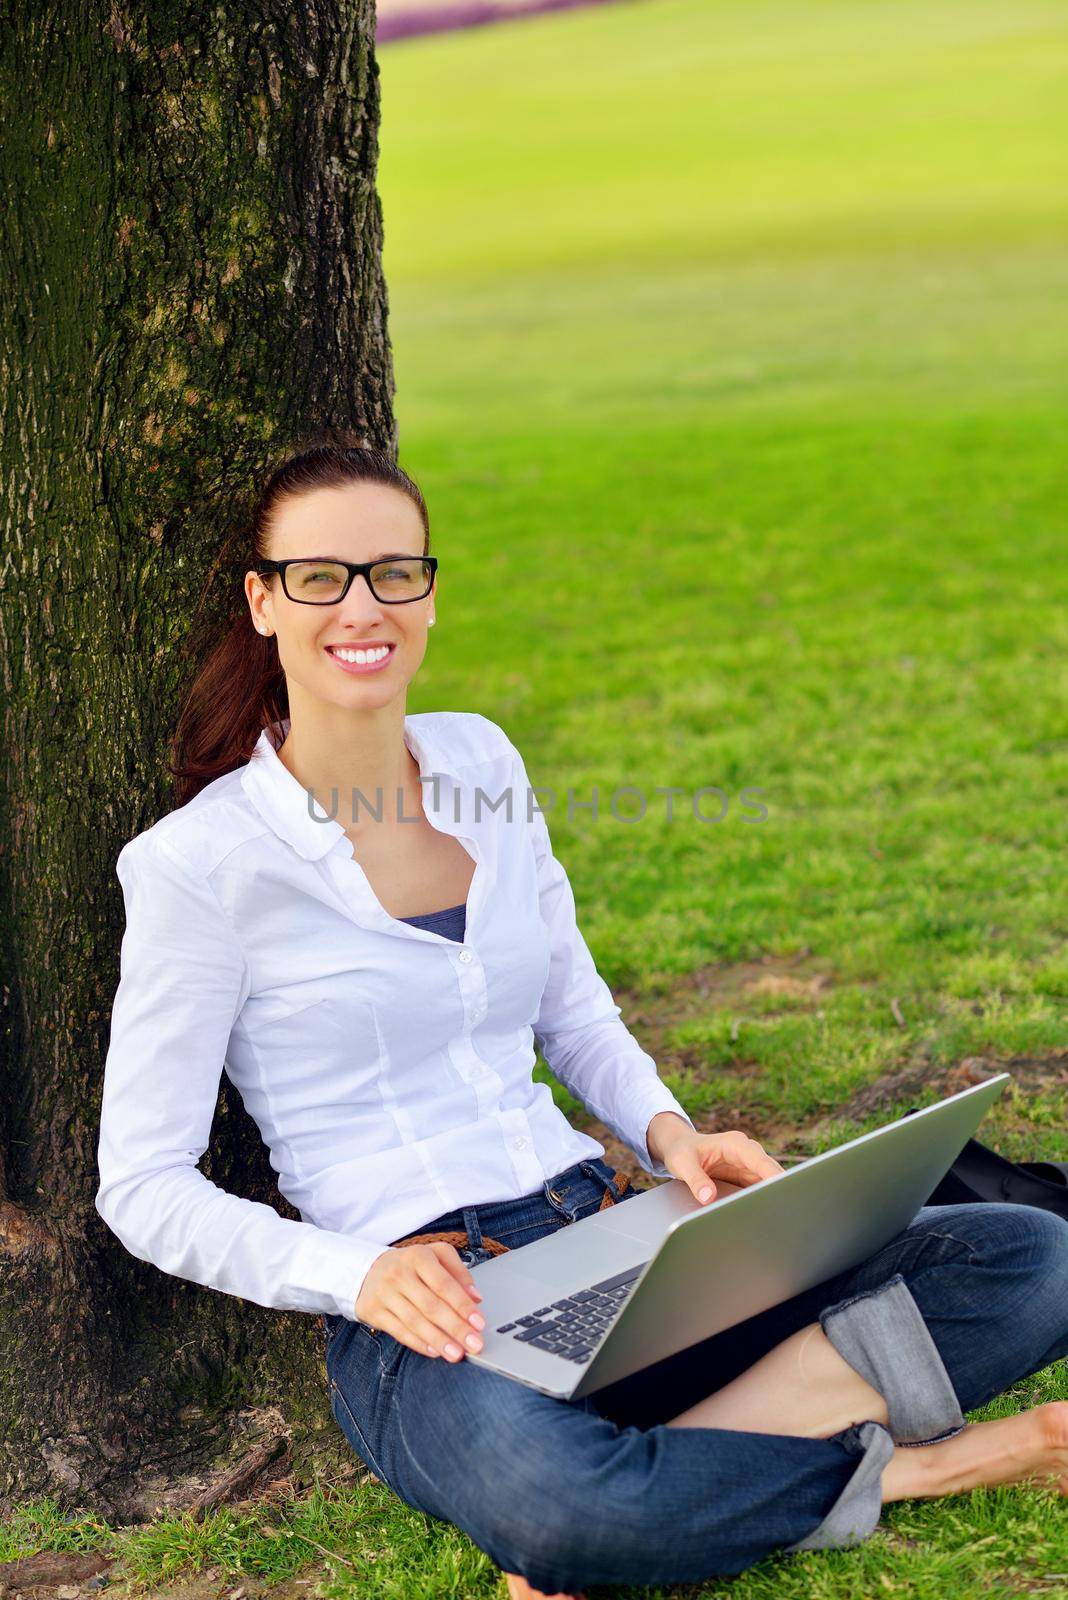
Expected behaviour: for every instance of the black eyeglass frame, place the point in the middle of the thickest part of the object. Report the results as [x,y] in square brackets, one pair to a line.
[354,569]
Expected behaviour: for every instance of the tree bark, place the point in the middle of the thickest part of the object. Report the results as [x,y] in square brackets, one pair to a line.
[191,277]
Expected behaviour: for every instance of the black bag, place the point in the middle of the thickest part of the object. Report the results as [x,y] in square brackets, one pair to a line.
[979,1173]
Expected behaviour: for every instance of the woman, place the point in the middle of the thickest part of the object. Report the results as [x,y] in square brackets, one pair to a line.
[373,954]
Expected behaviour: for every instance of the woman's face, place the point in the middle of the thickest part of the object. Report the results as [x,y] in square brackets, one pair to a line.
[356,522]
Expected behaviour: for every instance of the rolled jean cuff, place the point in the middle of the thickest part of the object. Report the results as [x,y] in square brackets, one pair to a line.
[883,1336]
[855,1513]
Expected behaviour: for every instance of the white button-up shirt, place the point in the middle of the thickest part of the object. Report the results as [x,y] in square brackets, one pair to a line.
[388,1068]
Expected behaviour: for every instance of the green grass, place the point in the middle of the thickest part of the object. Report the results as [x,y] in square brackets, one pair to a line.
[731,360]
[988,1545]
[731,356]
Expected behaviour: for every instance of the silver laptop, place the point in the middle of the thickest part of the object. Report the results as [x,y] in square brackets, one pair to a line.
[630,1285]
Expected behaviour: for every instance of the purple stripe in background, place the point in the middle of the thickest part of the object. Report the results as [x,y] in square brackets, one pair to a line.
[411,22]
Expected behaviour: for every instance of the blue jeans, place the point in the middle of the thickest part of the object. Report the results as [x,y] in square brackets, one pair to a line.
[962,1304]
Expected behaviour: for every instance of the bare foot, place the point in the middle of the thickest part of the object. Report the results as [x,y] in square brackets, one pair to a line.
[1029,1448]
[519,1589]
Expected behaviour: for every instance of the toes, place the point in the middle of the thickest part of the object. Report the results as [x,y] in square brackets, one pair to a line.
[1054,1417]
[520,1589]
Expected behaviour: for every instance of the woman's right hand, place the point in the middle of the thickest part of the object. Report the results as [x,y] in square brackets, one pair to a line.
[422,1295]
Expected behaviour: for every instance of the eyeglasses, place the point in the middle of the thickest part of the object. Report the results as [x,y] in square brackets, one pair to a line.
[314,582]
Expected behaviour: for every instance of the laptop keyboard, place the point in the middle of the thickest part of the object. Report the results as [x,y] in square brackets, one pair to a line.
[573,1326]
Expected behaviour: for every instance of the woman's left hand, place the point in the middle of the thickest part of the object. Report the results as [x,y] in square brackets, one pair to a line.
[700,1158]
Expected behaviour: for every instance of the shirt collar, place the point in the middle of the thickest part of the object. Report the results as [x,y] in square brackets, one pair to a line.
[283,802]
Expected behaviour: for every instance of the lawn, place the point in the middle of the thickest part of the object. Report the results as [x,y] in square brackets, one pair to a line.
[731,356]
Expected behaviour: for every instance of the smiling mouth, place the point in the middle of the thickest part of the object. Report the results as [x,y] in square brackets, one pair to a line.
[364,657]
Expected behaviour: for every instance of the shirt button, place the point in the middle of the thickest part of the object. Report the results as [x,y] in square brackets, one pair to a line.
[465,955]
[520,1144]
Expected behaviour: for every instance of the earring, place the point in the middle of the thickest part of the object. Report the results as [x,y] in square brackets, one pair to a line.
[430,624]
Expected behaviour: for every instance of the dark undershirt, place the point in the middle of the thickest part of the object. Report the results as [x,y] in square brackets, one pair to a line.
[451,923]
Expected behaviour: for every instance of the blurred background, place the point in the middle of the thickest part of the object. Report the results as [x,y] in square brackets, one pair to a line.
[731,356]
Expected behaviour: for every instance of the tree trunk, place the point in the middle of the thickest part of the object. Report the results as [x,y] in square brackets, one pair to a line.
[191,276]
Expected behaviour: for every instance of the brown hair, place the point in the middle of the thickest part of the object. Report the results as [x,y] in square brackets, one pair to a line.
[239,686]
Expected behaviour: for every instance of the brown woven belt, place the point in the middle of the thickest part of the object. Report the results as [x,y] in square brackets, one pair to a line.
[458,1236]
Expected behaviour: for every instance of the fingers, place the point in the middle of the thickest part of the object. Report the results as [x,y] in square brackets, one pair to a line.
[450,1258]
[439,1293]
[745,1161]
[426,1302]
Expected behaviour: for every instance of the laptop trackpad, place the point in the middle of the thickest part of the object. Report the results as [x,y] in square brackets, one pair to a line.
[573,1257]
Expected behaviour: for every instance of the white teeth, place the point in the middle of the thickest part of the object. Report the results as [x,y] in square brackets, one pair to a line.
[362,657]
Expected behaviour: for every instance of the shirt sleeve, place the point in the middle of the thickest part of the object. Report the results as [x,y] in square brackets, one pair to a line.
[579,1029]
[183,980]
